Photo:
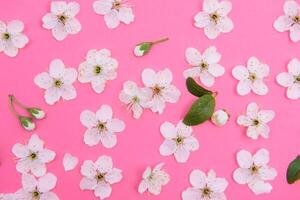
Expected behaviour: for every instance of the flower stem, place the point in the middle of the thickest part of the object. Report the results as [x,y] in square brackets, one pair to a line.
[160,40]
[17,102]
[12,107]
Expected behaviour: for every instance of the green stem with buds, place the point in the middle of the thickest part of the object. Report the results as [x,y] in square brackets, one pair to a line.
[12,107]
[13,98]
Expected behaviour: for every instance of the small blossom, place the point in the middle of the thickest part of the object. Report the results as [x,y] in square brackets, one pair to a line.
[214,18]
[27,123]
[135,98]
[99,176]
[153,180]
[101,126]
[291,79]
[69,162]
[251,77]
[98,68]
[178,141]
[204,66]
[36,113]
[32,157]
[37,189]
[114,11]
[57,82]
[12,38]
[62,19]
[256,121]
[143,48]
[220,117]
[254,171]
[161,87]
[204,187]
[290,21]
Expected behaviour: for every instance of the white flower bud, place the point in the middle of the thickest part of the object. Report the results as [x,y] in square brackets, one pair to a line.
[27,123]
[142,49]
[220,117]
[37,113]
[138,52]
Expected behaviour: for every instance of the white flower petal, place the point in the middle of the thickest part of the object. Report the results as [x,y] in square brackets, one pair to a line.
[184,130]
[170,94]
[216,70]
[291,8]
[59,32]
[102,7]
[154,188]
[130,88]
[91,137]
[46,155]
[114,176]
[252,110]
[148,77]
[143,186]
[88,118]
[224,8]
[69,162]
[108,140]
[198,178]
[29,183]
[52,95]
[211,31]
[137,110]
[283,23]
[15,26]
[73,9]
[207,79]
[147,173]
[193,56]
[115,125]
[3,27]
[253,132]
[263,130]
[192,72]
[47,182]
[49,21]
[244,120]
[98,84]
[88,183]
[168,147]
[211,56]
[191,143]
[23,166]
[191,194]
[259,87]
[58,7]
[72,26]
[219,185]
[181,154]
[125,15]
[68,92]
[104,113]
[294,67]
[260,187]
[266,115]
[225,25]
[22,195]
[295,33]
[20,150]
[19,40]
[244,87]
[38,169]
[57,69]
[210,6]
[49,196]
[164,77]
[293,92]
[10,50]
[35,144]
[267,173]
[244,159]
[88,169]
[43,80]
[261,157]
[168,130]
[241,175]
[157,104]
[111,19]
[69,76]
[285,79]
[202,19]
[102,190]
[240,72]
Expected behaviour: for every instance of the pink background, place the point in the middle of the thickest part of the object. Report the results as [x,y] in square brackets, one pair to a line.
[253,35]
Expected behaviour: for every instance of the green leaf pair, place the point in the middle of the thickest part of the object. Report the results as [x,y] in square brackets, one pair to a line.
[293,172]
[203,108]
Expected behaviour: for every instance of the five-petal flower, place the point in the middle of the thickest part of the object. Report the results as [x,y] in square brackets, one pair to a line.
[58,82]
[32,157]
[256,120]
[204,66]
[290,21]
[62,19]
[214,18]
[291,79]
[251,77]
[101,126]
[99,176]
[114,11]
[11,37]
[205,187]
[154,179]
[161,87]
[98,68]
[178,141]
[254,171]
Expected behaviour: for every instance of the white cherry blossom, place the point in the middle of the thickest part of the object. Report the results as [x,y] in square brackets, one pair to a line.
[62,19]
[154,179]
[99,176]
[12,37]
[291,79]
[101,126]
[37,189]
[135,98]
[290,21]
[256,121]
[114,11]
[98,68]
[220,117]
[162,89]
[204,66]
[251,78]
[178,141]
[254,171]
[32,157]
[213,18]
[57,82]
[69,162]
[205,187]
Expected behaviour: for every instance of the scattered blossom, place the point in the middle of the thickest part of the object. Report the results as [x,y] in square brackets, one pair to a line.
[98,68]
[251,77]
[57,82]
[69,162]
[204,66]
[178,141]
[99,176]
[101,126]
[254,171]
[220,117]
[32,157]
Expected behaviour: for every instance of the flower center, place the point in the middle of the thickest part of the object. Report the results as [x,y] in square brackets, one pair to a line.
[100,177]
[135,99]
[36,194]
[252,76]
[58,83]
[203,66]
[32,156]
[255,122]
[297,79]
[5,36]
[97,70]
[116,5]
[101,126]
[296,19]
[254,169]
[206,192]
[62,18]
[156,90]
[214,17]
[179,140]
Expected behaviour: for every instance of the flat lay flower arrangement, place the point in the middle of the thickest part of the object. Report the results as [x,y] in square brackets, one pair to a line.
[111,99]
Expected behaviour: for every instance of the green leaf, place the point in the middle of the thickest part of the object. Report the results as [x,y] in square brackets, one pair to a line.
[201,110]
[145,46]
[293,172]
[196,89]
